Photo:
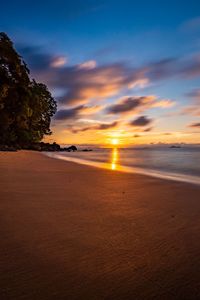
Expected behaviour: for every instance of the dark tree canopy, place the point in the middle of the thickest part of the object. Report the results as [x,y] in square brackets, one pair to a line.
[26,107]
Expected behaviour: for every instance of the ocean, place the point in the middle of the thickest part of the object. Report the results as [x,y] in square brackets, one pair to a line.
[180,164]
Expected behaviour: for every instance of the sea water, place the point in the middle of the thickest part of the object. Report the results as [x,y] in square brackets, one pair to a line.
[181,164]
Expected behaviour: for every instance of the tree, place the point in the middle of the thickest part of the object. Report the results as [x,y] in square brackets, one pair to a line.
[40,112]
[26,107]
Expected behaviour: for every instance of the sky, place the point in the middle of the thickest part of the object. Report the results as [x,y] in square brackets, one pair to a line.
[122,72]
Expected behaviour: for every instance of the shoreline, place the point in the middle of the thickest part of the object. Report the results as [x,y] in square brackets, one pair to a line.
[170,176]
[70,231]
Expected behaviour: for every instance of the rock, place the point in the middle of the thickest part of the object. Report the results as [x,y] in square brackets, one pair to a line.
[8,148]
[43,147]
[49,147]
[39,147]
[69,149]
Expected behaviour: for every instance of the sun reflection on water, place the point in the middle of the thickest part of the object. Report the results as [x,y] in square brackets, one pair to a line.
[114,158]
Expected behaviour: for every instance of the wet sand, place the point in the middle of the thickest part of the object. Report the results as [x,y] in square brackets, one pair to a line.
[69,231]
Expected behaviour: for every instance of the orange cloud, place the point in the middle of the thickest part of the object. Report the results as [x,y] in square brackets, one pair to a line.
[165,103]
[90,110]
[85,82]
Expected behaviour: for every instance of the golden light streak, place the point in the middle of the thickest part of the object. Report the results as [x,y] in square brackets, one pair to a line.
[114,159]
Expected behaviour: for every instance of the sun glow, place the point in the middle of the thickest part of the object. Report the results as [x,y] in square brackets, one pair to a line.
[115,141]
[116,138]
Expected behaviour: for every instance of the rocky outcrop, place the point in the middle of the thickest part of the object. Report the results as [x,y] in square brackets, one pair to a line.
[7,148]
[40,147]
[69,149]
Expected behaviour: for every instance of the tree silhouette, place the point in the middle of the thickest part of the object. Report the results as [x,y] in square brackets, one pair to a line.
[26,107]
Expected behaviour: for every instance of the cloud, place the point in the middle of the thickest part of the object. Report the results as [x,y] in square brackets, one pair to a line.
[39,60]
[138,104]
[91,64]
[82,82]
[101,126]
[83,85]
[193,125]
[86,82]
[191,68]
[162,68]
[105,52]
[65,114]
[58,61]
[148,129]
[195,94]
[35,57]
[76,112]
[128,104]
[167,133]
[164,103]
[92,109]
[136,136]
[106,125]
[183,67]
[194,108]
[141,121]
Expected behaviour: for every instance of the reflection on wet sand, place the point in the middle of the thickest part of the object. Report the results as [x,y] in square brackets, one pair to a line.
[114,158]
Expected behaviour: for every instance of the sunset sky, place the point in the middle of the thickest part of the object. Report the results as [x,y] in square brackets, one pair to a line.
[122,72]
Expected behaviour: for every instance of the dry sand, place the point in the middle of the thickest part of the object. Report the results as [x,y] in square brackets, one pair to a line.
[69,231]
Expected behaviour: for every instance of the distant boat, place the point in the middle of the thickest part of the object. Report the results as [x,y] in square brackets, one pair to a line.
[86,150]
[174,146]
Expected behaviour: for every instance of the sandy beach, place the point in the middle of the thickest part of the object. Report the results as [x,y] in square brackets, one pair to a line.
[70,231]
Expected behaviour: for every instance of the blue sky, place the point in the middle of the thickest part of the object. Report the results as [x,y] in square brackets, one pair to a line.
[96,54]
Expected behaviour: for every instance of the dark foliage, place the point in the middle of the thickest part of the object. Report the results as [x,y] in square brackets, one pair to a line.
[26,107]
